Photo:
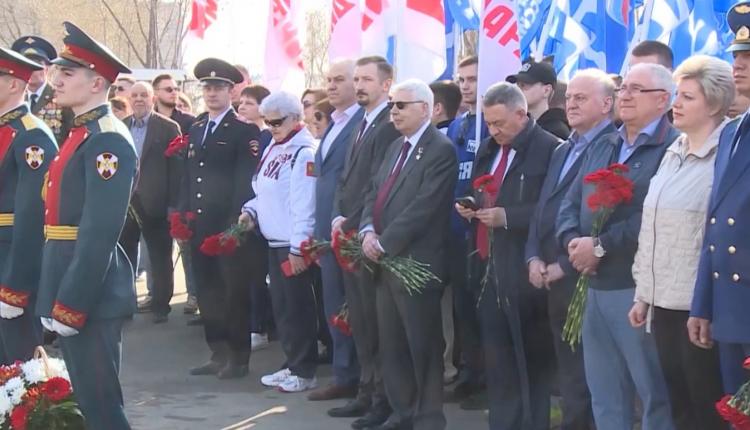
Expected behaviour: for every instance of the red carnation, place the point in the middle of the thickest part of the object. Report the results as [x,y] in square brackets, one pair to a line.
[229,244]
[19,417]
[481,182]
[211,245]
[224,243]
[746,364]
[731,414]
[176,145]
[178,229]
[56,389]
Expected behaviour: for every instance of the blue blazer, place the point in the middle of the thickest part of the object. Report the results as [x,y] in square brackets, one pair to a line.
[722,289]
[328,170]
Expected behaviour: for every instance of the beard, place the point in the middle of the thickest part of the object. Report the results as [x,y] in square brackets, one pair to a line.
[168,104]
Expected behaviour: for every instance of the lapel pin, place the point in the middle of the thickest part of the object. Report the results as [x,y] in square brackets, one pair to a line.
[420,150]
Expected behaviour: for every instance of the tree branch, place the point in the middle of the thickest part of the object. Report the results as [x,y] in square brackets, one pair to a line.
[124,31]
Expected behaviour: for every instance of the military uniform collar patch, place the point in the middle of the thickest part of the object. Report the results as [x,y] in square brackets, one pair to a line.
[92,115]
[13,115]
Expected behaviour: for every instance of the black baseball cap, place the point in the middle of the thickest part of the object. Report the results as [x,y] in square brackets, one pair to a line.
[533,72]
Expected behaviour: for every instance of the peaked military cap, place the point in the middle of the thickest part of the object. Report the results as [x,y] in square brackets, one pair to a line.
[738,19]
[14,64]
[36,48]
[213,69]
[81,50]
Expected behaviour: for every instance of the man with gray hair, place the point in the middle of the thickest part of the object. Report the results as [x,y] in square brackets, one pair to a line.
[406,214]
[589,100]
[616,356]
[516,337]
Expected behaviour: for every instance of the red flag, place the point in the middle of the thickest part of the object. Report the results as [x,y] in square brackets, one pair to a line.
[202,16]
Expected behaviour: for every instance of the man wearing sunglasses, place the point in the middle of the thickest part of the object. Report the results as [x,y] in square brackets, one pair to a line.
[122,86]
[165,94]
[329,163]
[41,95]
[222,155]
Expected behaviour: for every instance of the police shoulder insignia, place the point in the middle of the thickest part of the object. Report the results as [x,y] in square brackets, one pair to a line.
[34,157]
[106,165]
[254,147]
[310,169]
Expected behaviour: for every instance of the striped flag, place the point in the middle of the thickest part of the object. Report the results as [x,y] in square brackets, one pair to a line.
[420,44]
[203,14]
[346,37]
[283,65]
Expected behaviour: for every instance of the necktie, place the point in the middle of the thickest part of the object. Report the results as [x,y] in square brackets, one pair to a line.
[209,132]
[385,189]
[33,99]
[483,245]
[360,135]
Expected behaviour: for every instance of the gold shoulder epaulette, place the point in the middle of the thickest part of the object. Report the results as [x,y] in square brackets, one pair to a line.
[28,122]
[107,124]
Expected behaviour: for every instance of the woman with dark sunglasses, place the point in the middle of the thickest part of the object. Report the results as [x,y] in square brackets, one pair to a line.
[322,111]
[283,212]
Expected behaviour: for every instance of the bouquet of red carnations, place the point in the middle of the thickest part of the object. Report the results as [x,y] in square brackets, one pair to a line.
[736,409]
[37,395]
[611,188]
[176,145]
[341,320]
[224,243]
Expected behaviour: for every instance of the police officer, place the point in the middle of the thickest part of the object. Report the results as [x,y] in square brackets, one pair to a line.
[87,289]
[41,95]
[26,149]
[722,289]
[221,158]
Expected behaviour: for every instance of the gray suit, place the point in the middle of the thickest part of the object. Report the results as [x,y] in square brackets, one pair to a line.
[328,171]
[414,221]
[363,161]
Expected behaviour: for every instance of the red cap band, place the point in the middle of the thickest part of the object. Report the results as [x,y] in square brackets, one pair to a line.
[89,59]
[15,69]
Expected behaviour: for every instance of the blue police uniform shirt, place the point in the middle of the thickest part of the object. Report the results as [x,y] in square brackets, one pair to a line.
[627,149]
[462,132]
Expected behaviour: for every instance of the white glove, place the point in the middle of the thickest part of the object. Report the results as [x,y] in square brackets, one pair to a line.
[62,329]
[9,311]
[47,323]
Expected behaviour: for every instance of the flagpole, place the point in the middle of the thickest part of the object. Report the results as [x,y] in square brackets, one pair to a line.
[640,34]
[479,119]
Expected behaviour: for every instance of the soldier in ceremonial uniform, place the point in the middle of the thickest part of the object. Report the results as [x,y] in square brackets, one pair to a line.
[26,148]
[41,95]
[222,156]
[719,312]
[87,289]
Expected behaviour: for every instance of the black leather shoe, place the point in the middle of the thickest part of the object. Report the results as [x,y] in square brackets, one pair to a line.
[160,318]
[210,368]
[375,417]
[231,371]
[355,408]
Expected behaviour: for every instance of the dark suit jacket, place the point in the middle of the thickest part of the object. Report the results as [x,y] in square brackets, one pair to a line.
[158,186]
[328,172]
[217,180]
[362,163]
[415,218]
[57,118]
[542,242]
[518,195]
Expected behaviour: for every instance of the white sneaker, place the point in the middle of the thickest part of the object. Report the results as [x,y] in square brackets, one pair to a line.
[274,379]
[296,384]
[258,341]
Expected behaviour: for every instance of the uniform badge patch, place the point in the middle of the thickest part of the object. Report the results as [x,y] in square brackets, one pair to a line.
[254,148]
[34,157]
[310,169]
[106,165]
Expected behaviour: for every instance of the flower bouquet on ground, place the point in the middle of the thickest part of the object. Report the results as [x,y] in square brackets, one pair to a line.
[612,188]
[341,321]
[736,409]
[224,243]
[37,395]
[347,248]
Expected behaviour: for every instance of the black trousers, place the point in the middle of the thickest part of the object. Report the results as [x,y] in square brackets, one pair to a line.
[93,360]
[155,232]
[518,351]
[363,318]
[412,352]
[224,285]
[464,273]
[20,336]
[294,310]
[692,374]
[576,399]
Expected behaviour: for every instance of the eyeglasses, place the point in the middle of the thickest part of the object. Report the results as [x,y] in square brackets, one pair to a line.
[170,90]
[275,123]
[319,115]
[402,105]
[638,90]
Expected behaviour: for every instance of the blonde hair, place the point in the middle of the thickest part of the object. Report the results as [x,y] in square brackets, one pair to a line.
[714,77]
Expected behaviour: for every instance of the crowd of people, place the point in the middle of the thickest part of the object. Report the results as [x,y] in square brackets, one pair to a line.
[396,165]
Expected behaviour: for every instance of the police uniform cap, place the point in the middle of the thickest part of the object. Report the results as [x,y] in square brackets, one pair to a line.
[36,48]
[14,64]
[738,19]
[213,69]
[81,50]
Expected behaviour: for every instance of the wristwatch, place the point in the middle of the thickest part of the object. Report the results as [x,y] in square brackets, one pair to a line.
[599,250]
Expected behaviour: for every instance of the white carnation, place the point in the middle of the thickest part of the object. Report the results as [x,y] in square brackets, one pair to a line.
[13,384]
[34,371]
[17,395]
[5,406]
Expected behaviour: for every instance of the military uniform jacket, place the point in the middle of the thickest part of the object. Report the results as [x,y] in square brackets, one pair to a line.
[218,173]
[27,147]
[57,118]
[85,273]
